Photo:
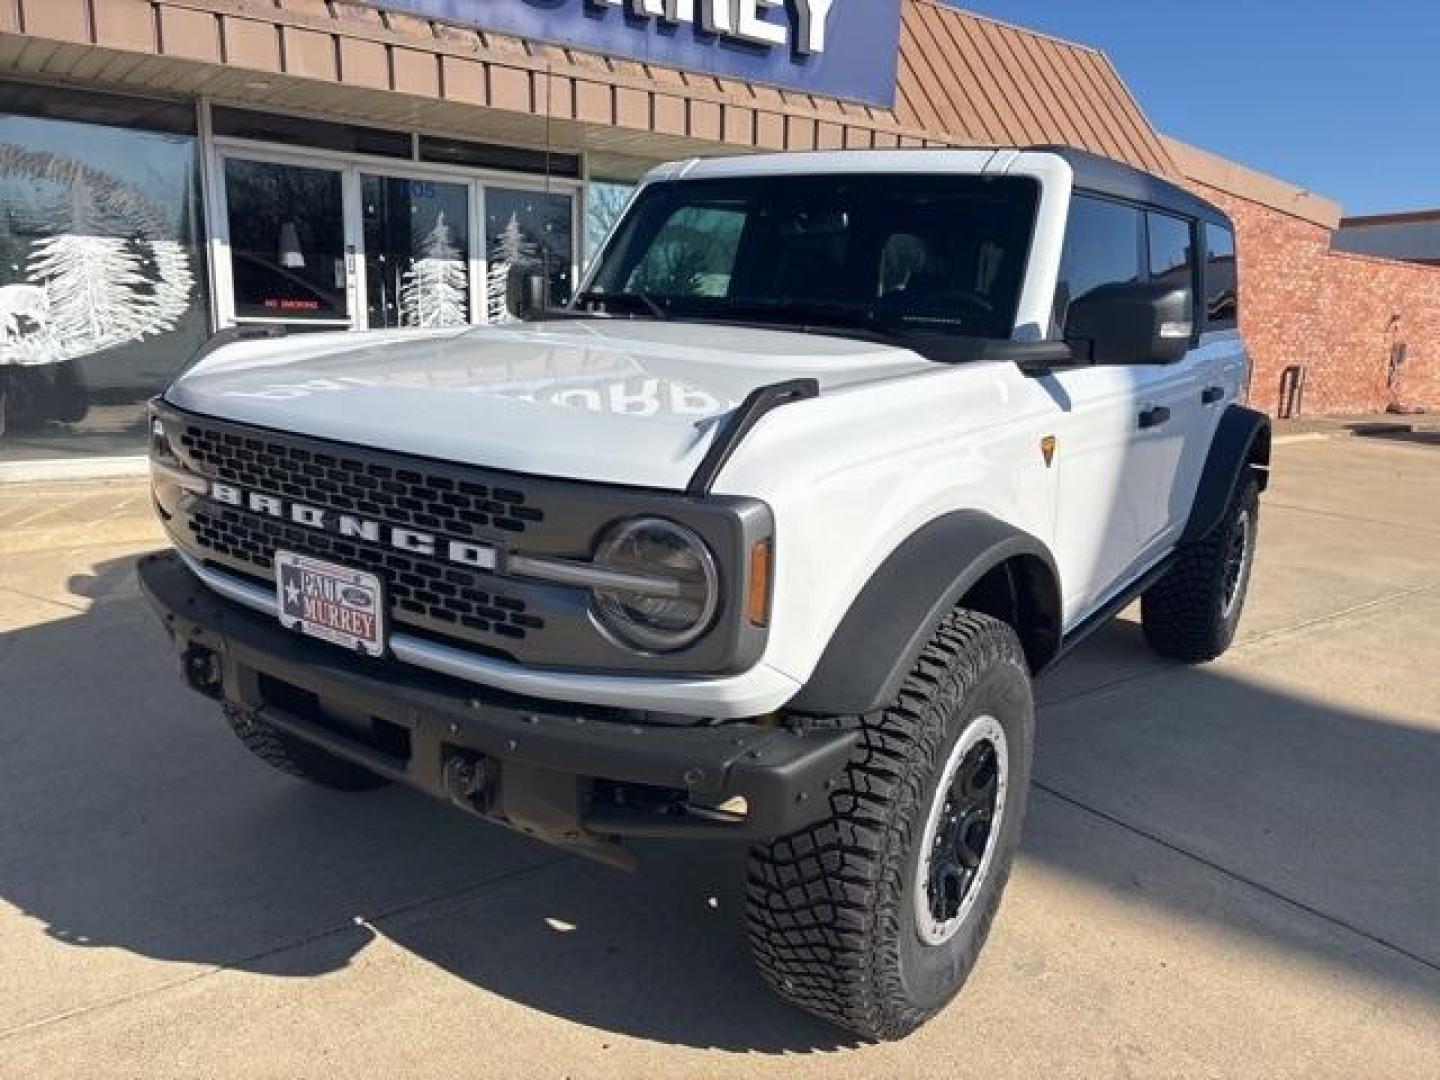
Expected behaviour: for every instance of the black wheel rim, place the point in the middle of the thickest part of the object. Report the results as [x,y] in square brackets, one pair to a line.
[963,822]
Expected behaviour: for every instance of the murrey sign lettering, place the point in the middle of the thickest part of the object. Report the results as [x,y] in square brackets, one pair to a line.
[742,19]
[837,48]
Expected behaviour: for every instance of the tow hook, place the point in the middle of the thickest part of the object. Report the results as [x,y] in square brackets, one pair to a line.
[469,781]
[202,671]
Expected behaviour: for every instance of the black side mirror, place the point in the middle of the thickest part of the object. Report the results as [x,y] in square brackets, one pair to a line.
[1141,323]
[532,297]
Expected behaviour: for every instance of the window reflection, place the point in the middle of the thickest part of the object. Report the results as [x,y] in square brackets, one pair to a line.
[693,253]
[1222,305]
[1101,248]
[1171,250]
[605,201]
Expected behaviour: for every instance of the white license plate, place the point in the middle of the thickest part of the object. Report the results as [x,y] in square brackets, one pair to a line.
[334,603]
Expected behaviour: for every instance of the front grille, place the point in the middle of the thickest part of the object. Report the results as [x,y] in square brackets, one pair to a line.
[408,496]
[451,599]
[542,624]
[424,593]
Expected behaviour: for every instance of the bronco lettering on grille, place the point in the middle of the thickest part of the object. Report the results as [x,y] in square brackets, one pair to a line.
[410,541]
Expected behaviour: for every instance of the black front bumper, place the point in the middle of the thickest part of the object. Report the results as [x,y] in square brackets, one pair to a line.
[574,775]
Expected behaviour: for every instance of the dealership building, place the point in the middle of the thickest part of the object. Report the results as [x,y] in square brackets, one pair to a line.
[171,168]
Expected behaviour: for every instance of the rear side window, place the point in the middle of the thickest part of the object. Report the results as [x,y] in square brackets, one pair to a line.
[1171,243]
[1102,247]
[1222,295]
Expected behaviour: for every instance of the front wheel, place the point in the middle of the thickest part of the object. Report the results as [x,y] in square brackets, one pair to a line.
[296,757]
[873,918]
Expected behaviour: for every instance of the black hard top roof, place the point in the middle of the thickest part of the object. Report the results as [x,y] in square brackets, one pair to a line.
[1105,176]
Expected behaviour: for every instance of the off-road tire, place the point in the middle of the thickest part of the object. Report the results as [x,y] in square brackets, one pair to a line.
[69,401]
[1191,614]
[831,910]
[299,759]
[14,402]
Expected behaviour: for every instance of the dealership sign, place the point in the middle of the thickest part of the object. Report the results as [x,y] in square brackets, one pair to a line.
[836,48]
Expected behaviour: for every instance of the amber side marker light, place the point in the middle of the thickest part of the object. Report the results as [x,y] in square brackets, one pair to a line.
[757,605]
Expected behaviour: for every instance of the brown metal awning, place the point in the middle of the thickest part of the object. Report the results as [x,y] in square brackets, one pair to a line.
[964,80]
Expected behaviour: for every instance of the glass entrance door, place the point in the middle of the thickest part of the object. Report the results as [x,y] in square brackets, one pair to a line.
[527,232]
[329,243]
[289,257]
[417,262]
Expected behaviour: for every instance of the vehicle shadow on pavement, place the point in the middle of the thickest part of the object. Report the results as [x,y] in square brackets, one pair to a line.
[136,828]
[1399,432]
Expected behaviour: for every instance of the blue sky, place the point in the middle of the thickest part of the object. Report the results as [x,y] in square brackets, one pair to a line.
[1339,96]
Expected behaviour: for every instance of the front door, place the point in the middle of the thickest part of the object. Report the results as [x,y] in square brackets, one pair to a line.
[1130,429]
[1106,512]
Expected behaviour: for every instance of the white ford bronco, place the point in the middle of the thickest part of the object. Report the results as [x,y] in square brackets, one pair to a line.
[764,536]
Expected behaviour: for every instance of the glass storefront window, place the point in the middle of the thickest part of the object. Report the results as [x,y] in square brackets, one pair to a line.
[605,201]
[287,241]
[417,252]
[526,231]
[103,284]
[102,277]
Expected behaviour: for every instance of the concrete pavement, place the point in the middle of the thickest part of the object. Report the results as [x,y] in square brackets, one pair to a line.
[1228,871]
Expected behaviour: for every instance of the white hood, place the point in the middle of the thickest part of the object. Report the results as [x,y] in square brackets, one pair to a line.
[606,400]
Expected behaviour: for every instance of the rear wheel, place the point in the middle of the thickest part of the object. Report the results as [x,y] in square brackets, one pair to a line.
[295,757]
[873,918]
[15,400]
[1191,614]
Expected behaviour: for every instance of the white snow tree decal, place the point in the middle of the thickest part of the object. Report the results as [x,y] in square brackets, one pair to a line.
[433,290]
[512,250]
[170,299]
[107,274]
[91,281]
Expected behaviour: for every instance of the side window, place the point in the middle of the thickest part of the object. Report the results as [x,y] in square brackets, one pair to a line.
[1102,247]
[1171,244]
[1172,252]
[1222,290]
[693,254]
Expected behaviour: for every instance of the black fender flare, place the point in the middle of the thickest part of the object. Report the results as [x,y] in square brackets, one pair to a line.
[1242,442]
[889,623]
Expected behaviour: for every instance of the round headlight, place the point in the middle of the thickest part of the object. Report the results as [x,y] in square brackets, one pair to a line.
[672,591]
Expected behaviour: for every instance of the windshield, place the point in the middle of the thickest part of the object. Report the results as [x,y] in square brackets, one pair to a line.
[886,254]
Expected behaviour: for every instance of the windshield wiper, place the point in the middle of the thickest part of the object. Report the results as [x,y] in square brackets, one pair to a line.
[814,316]
[652,306]
[844,320]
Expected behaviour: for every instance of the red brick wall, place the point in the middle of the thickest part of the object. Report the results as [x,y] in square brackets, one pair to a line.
[1371,304]
[1338,315]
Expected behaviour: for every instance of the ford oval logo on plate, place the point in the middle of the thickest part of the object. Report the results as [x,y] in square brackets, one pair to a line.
[357,597]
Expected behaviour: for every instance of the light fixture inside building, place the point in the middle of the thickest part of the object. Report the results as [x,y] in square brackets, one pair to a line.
[291,257]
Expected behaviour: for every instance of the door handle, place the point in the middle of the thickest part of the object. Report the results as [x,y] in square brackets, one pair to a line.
[1211,394]
[1154,417]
